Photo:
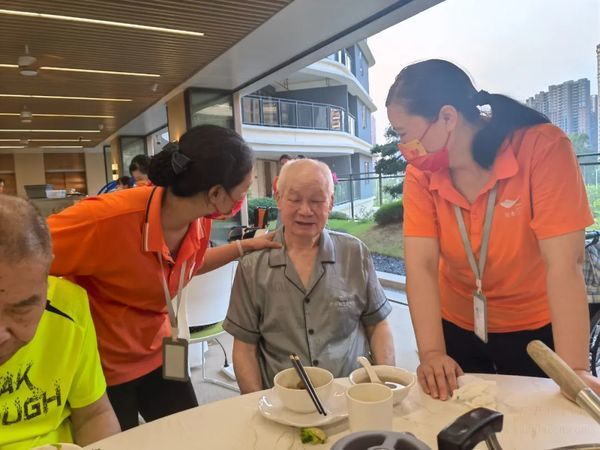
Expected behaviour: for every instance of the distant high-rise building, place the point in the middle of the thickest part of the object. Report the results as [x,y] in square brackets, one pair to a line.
[595,122]
[569,106]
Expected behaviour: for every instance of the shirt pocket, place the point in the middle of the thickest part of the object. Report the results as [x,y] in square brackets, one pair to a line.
[344,314]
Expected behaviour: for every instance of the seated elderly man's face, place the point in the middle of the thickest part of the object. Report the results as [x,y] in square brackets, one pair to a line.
[305,203]
[22,302]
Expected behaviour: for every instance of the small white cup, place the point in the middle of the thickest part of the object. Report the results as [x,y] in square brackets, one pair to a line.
[370,407]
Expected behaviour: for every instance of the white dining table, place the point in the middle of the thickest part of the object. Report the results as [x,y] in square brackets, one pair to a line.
[536,416]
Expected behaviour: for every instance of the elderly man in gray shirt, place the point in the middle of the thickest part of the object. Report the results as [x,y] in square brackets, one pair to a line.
[317,296]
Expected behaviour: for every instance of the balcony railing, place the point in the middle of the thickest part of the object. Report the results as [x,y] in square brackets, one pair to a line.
[278,112]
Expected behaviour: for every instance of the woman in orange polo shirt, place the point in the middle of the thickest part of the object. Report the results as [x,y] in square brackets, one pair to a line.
[128,248]
[516,172]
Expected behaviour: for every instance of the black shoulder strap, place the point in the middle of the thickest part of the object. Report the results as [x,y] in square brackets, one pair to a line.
[54,310]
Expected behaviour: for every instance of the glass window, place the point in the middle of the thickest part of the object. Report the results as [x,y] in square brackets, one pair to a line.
[348,61]
[158,140]
[320,117]
[288,114]
[211,107]
[364,115]
[367,172]
[215,107]
[270,112]
[305,115]
[251,110]
[131,146]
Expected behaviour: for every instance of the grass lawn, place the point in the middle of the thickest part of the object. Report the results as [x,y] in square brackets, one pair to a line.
[386,240]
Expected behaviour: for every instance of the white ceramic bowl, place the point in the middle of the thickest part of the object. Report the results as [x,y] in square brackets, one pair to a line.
[388,373]
[299,400]
[56,193]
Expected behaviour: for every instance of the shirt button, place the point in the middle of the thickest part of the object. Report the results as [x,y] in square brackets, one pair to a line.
[315,362]
[307,300]
[311,331]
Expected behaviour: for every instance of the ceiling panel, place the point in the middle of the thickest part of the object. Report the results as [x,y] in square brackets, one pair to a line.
[62,43]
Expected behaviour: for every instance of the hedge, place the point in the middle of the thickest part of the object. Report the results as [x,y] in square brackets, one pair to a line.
[392,212]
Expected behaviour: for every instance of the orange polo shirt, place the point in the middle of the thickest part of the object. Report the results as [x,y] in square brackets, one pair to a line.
[540,195]
[103,244]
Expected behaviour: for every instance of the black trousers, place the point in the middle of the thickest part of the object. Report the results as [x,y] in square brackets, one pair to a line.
[505,353]
[151,396]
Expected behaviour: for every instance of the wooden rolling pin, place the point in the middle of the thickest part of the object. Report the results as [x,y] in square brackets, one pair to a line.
[570,384]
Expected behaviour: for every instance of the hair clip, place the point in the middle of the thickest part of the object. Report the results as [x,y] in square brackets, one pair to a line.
[179,161]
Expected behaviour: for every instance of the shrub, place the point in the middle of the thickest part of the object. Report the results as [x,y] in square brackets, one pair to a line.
[262,202]
[390,213]
[338,215]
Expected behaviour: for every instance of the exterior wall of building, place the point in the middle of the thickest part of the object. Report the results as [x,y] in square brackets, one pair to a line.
[363,121]
[569,106]
[360,67]
[341,165]
[333,95]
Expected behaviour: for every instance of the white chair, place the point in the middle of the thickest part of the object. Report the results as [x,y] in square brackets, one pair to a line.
[207,303]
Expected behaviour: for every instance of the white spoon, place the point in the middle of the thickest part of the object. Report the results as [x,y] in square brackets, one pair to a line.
[373,375]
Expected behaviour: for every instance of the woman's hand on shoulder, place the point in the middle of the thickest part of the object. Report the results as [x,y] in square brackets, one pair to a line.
[260,242]
[438,375]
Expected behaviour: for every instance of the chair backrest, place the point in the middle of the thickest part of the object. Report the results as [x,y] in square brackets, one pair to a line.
[208,295]
[261,219]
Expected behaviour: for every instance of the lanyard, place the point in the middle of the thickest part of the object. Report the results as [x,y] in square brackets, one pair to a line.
[178,298]
[478,267]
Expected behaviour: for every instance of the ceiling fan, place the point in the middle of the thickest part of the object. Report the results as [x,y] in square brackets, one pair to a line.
[29,65]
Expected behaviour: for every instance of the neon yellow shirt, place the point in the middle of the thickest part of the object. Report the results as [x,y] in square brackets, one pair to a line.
[57,370]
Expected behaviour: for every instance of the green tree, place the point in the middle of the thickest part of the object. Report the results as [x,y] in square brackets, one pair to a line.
[391,161]
[581,142]
[581,145]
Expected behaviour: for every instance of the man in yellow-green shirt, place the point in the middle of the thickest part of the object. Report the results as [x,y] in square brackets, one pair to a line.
[52,388]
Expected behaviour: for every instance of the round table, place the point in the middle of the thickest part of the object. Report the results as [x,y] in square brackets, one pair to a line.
[536,416]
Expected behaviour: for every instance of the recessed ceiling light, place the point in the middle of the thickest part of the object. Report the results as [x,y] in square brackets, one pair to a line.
[46,140]
[104,72]
[100,22]
[7,130]
[62,146]
[75,69]
[12,146]
[60,97]
[61,115]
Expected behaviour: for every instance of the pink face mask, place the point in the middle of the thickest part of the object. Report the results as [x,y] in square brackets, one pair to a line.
[218,215]
[415,153]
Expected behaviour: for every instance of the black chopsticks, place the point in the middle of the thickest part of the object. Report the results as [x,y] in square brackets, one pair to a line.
[306,380]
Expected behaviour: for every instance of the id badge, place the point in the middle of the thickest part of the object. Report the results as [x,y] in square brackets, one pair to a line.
[175,359]
[480,315]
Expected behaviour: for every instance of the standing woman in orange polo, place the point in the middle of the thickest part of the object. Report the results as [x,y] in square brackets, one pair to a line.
[134,250]
[494,216]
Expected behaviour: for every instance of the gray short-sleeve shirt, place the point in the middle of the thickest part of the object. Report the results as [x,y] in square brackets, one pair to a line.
[324,323]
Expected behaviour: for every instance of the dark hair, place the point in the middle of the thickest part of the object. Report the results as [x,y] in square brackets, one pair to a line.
[24,231]
[141,163]
[285,156]
[205,156]
[425,87]
[125,180]
[1,180]
[300,157]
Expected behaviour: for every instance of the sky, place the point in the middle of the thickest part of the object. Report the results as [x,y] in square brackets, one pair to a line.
[513,47]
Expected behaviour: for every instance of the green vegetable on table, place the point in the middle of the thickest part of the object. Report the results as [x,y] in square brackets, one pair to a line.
[312,435]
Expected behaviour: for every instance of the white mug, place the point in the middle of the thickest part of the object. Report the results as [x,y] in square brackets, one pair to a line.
[370,407]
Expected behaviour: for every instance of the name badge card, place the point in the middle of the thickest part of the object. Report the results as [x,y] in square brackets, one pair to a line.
[480,315]
[175,359]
